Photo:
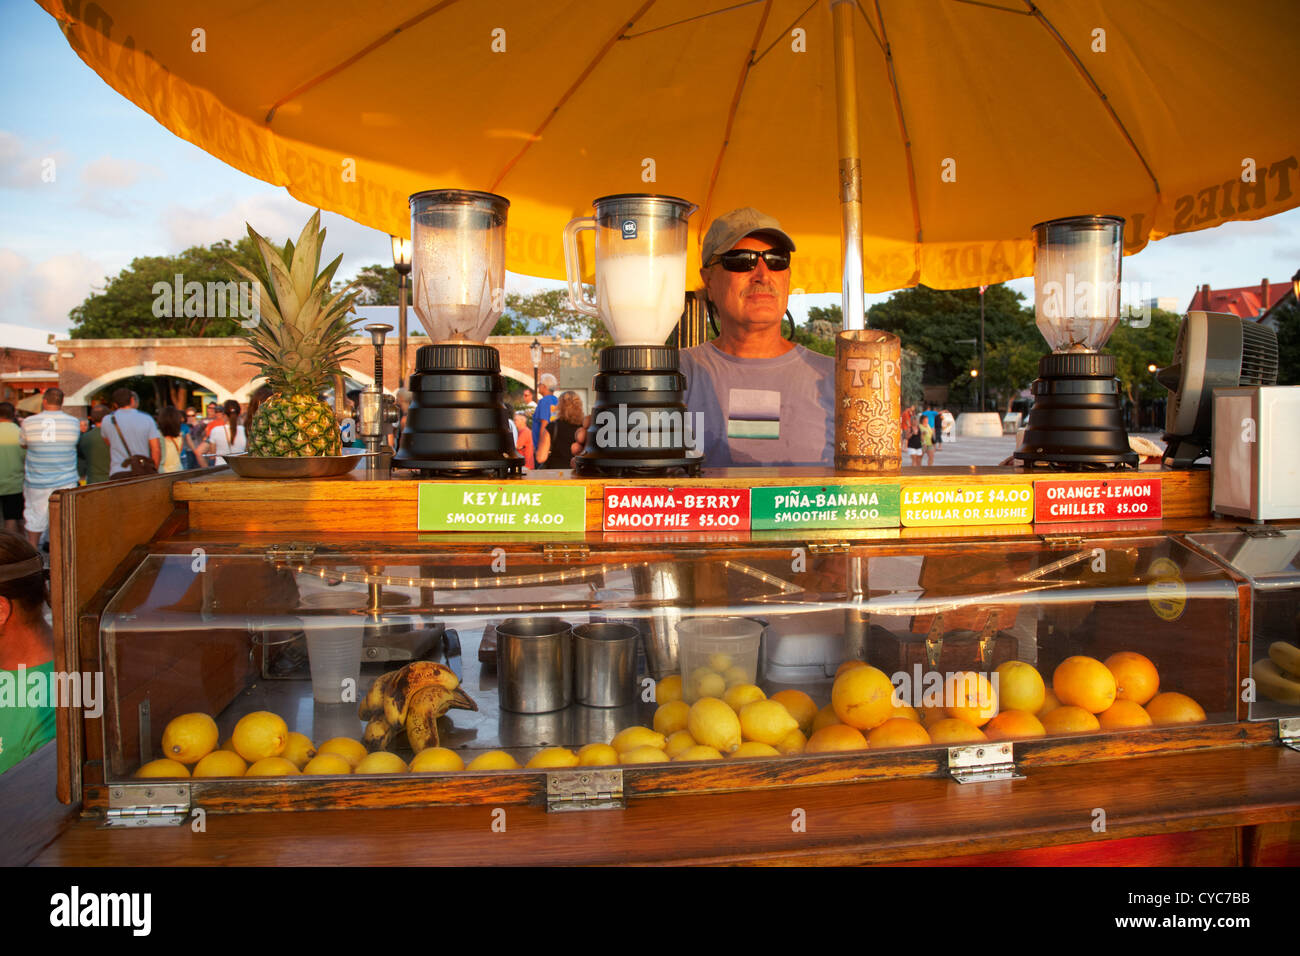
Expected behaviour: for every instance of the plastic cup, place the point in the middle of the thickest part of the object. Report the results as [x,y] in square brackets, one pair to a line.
[334,655]
[717,652]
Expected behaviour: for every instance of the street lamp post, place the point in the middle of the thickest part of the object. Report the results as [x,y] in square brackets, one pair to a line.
[402,263]
[535,353]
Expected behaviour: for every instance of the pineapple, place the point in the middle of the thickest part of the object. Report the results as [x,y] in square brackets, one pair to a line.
[299,345]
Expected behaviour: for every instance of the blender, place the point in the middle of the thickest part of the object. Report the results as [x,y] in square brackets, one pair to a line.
[458,424]
[639,426]
[1077,419]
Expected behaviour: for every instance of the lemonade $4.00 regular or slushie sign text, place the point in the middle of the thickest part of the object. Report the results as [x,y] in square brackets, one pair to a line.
[968,503]
[505,507]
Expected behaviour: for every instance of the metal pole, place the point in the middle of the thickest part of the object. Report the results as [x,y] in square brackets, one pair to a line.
[981,348]
[401,330]
[846,99]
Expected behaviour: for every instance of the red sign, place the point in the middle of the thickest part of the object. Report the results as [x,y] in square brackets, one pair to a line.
[1098,499]
[676,509]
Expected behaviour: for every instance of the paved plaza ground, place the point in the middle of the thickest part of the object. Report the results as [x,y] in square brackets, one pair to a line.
[986,451]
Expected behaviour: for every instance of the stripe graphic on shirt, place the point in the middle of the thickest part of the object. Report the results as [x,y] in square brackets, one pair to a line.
[753,413]
[51,440]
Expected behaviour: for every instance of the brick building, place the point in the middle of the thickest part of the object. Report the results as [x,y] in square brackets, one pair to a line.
[26,363]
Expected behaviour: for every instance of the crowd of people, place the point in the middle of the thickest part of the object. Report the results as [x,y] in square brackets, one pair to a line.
[545,427]
[924,431]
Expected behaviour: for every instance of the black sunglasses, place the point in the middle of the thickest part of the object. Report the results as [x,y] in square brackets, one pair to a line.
[746,260]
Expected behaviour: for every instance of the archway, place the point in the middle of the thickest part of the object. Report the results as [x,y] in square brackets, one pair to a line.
[148,369]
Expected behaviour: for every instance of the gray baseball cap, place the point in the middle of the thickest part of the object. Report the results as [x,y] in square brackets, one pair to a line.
[729,229]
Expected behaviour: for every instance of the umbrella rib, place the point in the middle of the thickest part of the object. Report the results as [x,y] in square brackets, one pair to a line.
[1105,101]
[994,6]
[619,34]
[781,35]
[870,26]
[731,110]
[365,51]
[698,16]
[902,124]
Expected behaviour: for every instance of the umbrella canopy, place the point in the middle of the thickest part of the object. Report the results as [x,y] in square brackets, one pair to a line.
[976,118]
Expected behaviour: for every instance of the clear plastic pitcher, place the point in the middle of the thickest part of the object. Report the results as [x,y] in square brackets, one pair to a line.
[1077,264]
[640,265]
[458,262]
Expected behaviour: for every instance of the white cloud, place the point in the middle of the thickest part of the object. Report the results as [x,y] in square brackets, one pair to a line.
[109,172]
[40,294]
[26,165]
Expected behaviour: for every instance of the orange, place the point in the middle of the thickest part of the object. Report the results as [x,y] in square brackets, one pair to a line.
[1172,708]
[970,697]
[1068,719]
[835,737]
[898,732]
[825,717]
[863,697]
[1136,678]
[1020,687]
[1050,702]
[1123,715]
[848,666]
[802,707]
[1014,725]
[1085,682]
[932,715]
[906,711]
[950,730]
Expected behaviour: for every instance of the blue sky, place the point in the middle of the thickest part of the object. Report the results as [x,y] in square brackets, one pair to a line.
[125,187]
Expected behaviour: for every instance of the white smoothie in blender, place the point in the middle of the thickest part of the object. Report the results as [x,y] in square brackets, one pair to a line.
[641,297]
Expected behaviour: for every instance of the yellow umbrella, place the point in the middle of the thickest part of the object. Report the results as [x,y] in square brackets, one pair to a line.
[975,118]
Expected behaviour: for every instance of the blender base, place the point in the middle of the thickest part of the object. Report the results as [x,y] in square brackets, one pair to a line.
[644,468]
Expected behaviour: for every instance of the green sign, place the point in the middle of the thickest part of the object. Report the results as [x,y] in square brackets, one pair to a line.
[824,506]
[514,506]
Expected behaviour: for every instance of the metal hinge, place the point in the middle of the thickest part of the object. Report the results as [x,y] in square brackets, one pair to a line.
[983,762]
[1288,732]
[161,804]
[828,547]
[565,551]
[1256,531]
[585,790]
[278,553]
[1058,541]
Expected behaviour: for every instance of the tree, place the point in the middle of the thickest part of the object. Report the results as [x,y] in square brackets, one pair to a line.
[378,286]
[1288,344]
[548,313]
[1009,367]
[1138,346]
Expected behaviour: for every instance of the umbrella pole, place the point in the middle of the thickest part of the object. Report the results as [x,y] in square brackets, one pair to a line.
[846,100]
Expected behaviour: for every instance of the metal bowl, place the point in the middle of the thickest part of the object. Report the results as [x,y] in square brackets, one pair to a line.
[323,466]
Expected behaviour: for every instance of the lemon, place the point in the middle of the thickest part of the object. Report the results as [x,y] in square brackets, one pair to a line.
[699,752]
[298,749]
[189,737]
[752,748]
[735,674]
[436,760]
[793,743]
[669,689]
[228,744]
[671,717]
[738,695]
[553,757]
[679,742]
[493,760]
[272,767]
[631,737]
[354,751]
[163,768]
[643,755]
[705,683]
[328,763]
[714,724]
[766,721]
[720,662]
[597,755]
[220,763]
[381,761]
[1020,687]
[260,734]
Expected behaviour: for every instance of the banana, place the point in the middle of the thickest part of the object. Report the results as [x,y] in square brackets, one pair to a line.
[372,705]
[378,735]
[427,705]
[1273,683]
[1286,657]
[411,678]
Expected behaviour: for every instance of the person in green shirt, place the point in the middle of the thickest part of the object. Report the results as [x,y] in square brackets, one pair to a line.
[26,650]
[93,453]
[13,458]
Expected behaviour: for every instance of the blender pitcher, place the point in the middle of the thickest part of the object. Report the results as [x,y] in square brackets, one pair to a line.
[458,262]
[640,265]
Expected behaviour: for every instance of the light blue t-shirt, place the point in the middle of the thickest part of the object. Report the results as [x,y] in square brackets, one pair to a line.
[50,438]
[137,429]
[763,412]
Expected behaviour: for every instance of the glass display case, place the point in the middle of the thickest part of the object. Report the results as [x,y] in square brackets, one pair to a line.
[882,655]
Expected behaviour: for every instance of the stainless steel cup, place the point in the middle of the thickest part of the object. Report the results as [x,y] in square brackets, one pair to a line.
[604,655]
[673,584]
[534,664]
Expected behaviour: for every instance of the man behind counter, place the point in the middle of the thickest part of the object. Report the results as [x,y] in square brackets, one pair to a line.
[764,399]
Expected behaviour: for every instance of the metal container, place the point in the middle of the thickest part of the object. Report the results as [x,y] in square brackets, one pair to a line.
[600,724]
[534,664]
[671,585]
[604,655]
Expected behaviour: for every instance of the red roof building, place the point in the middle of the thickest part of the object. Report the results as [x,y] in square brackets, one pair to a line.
[1247,302]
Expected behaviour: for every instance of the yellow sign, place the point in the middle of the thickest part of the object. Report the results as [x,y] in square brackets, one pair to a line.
[967,503]
[1167,593]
